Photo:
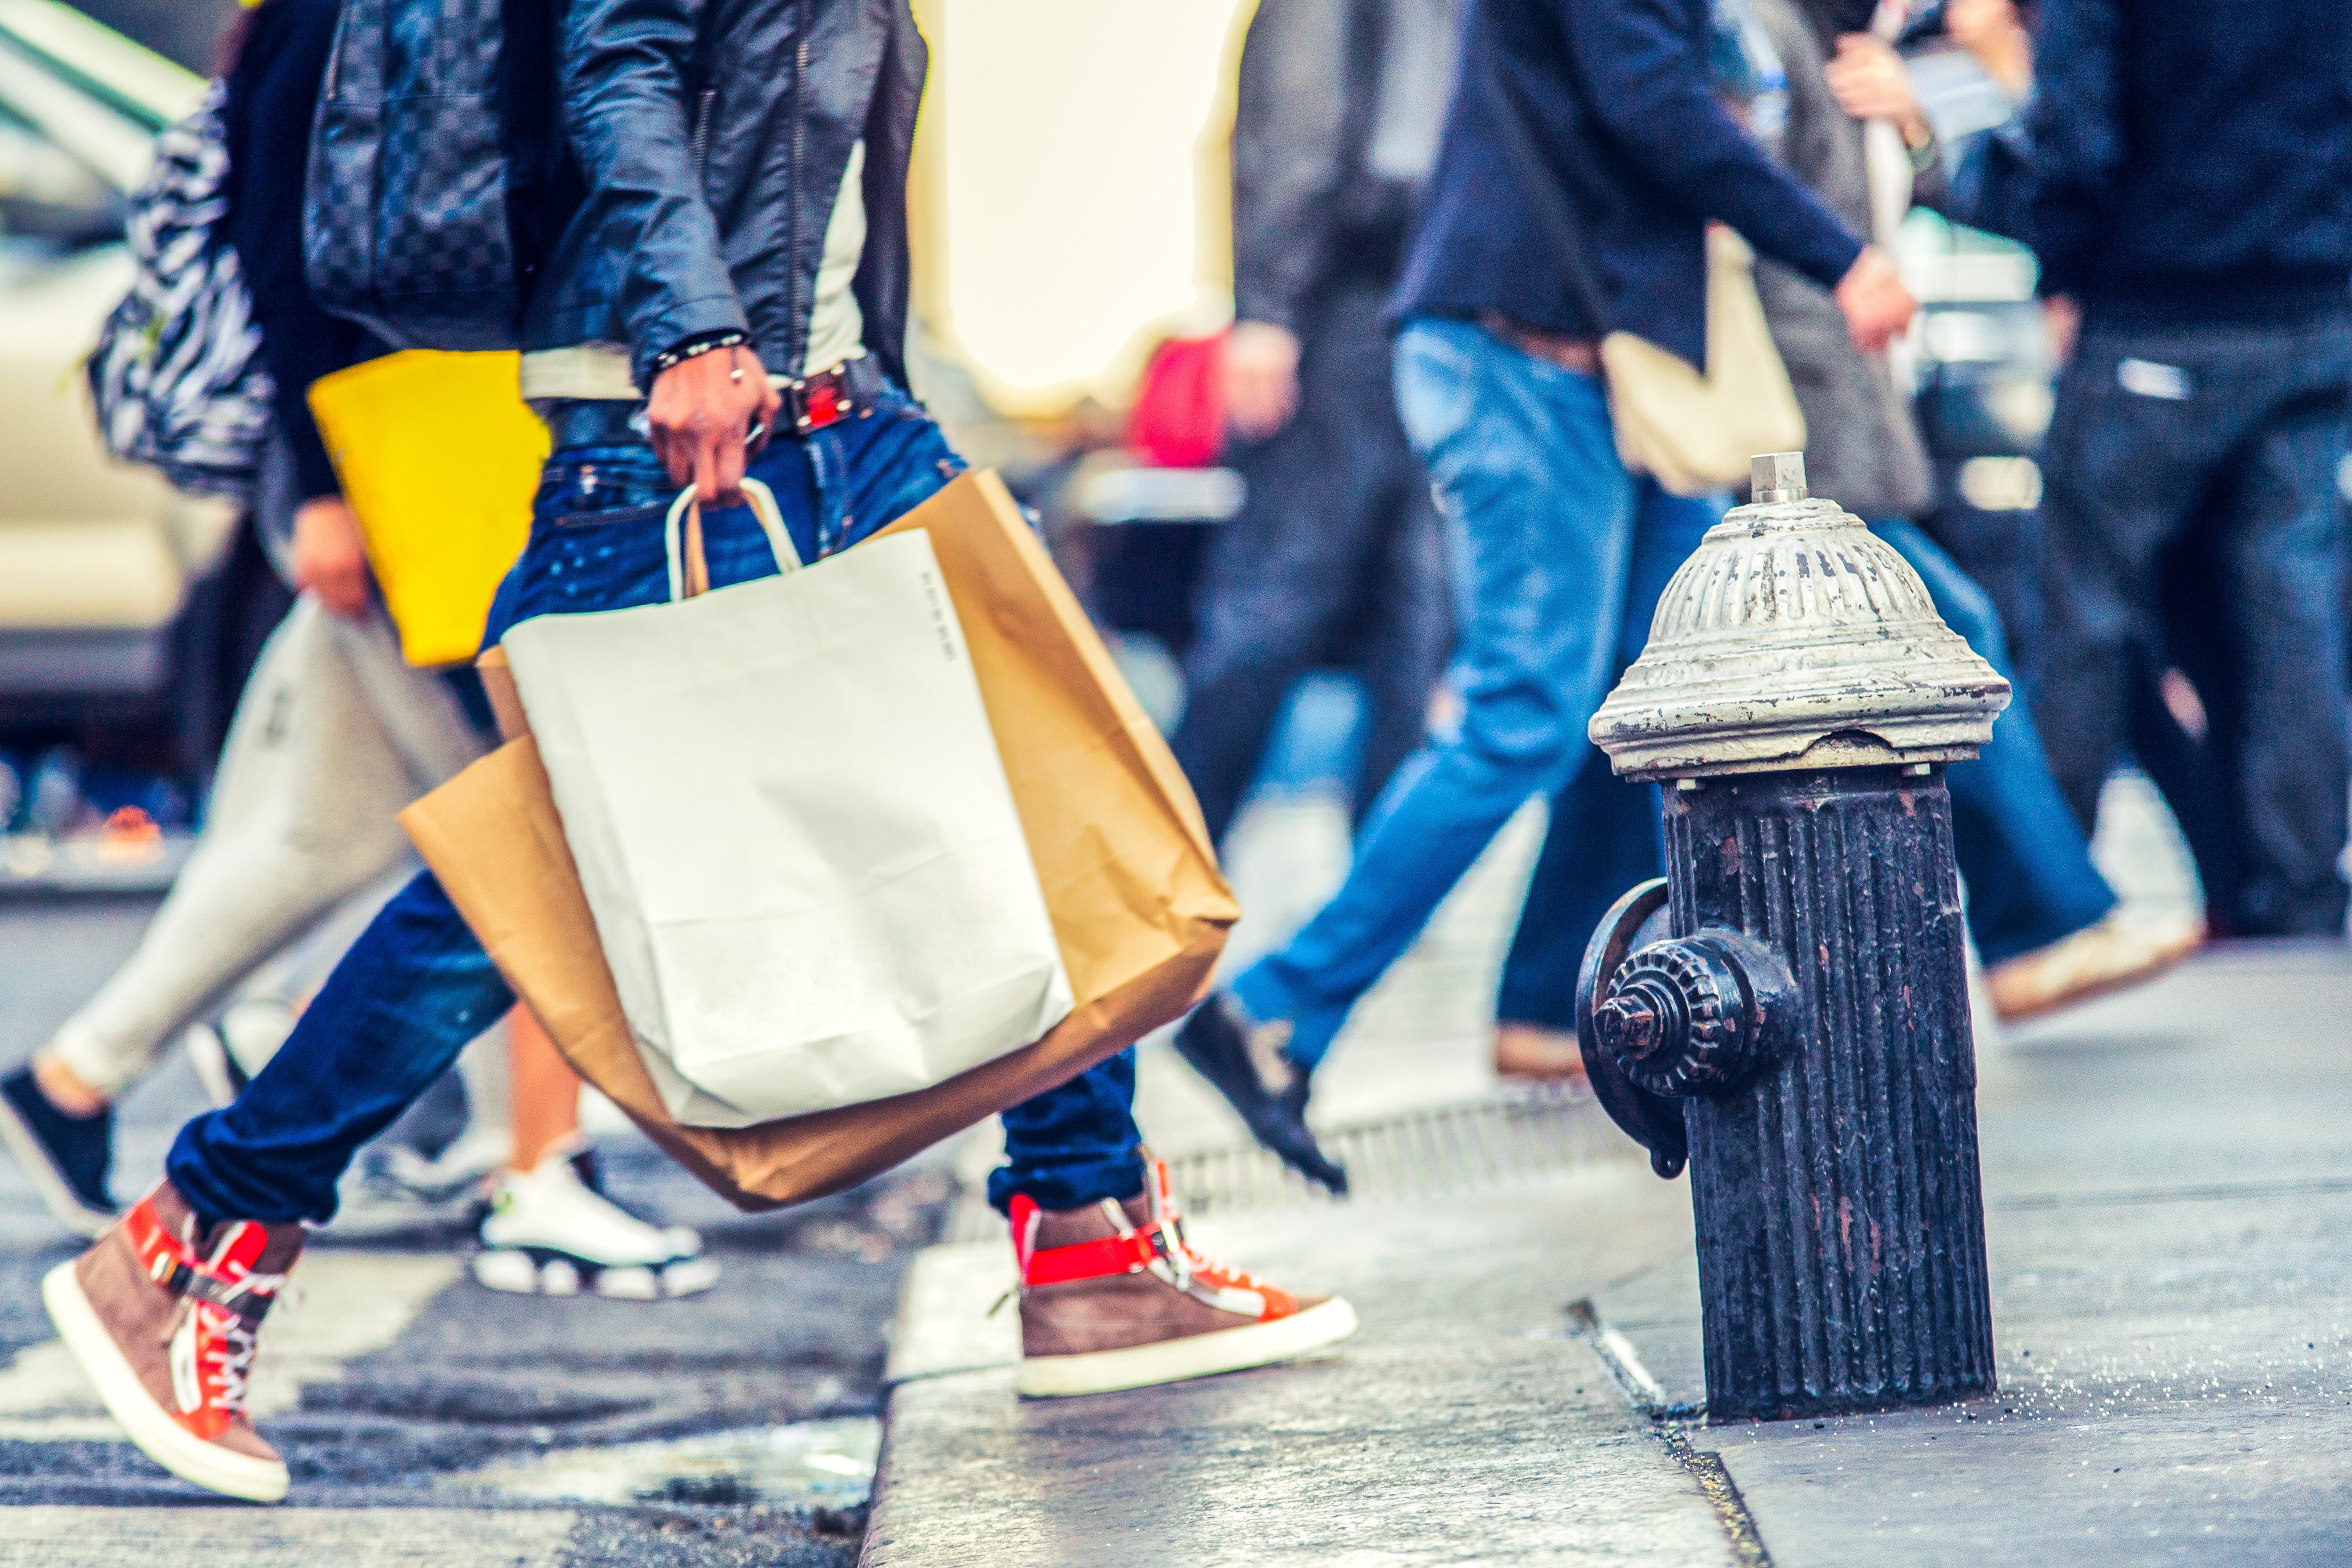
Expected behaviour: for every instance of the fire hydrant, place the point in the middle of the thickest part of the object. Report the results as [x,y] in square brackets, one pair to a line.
[1788,1011]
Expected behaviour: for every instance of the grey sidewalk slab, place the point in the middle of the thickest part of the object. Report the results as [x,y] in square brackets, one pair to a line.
[2169,1213]
[2170,1219]
[1464,1423]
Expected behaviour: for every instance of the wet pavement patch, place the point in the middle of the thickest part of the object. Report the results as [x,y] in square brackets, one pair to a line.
[812,1465]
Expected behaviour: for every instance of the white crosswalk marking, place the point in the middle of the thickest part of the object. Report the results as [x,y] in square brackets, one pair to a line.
[284,1538]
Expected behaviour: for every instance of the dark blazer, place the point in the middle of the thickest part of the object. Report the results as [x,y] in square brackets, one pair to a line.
[2193,162]
[1639,153]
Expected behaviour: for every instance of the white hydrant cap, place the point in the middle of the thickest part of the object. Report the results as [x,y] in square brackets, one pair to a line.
[1794,637]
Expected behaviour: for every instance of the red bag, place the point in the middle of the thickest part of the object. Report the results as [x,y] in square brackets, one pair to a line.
[1179,420]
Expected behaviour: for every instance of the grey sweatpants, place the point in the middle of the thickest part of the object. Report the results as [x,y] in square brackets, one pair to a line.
[334,735]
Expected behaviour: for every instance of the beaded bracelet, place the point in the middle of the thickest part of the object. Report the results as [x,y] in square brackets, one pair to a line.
[693,348]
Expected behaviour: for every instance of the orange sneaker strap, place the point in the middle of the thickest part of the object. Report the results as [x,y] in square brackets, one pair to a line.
[170,1264]
[1122,1254]
[157,1250]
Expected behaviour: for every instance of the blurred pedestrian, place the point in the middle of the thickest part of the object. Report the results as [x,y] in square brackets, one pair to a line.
[1596,117]
[2192,202]
[335,734]
[2044,921]
[2168,731]
[1992,175]
[1334,557]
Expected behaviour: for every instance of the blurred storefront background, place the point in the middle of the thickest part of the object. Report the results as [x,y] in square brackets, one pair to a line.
[1071,193]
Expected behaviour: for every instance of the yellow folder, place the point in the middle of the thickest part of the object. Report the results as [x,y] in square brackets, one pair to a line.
[439,458]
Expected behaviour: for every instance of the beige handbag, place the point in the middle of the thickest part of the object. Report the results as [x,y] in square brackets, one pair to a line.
[1696,432]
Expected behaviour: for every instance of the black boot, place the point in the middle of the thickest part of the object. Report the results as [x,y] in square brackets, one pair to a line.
[1217,1045]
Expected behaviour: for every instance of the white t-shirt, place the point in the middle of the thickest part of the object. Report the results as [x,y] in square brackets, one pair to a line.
[836,326]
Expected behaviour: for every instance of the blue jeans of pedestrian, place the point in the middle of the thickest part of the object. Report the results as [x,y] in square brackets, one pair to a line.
[2028,869]
[2023,856]
[1540,518]
[416,985]
[1606,833]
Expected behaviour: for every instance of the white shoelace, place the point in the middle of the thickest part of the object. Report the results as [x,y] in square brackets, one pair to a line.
[233,1375]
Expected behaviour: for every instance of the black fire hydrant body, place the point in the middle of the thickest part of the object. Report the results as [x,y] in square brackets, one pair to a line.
[1789,1012]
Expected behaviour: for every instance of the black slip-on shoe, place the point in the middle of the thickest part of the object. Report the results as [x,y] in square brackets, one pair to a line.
[66,1156]
[1219,1047]
[1288,1136]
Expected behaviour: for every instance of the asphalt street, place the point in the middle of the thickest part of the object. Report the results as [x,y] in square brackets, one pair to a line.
[735,1427]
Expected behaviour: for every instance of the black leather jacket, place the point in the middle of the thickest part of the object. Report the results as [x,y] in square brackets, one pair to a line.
[713,135]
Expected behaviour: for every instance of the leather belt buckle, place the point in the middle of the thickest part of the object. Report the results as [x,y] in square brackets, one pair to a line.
[820,400]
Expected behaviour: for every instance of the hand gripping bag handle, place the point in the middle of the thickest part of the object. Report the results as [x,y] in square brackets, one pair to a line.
[764,506]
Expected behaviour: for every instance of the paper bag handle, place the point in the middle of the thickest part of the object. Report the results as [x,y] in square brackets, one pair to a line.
[764,506]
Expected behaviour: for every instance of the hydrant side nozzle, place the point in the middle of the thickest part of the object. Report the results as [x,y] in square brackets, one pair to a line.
[1652,1120]
[1699,1016]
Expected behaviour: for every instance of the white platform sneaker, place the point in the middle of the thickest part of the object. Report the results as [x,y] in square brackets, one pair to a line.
[549,1234]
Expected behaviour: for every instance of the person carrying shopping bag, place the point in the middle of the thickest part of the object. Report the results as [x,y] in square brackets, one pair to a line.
[335,734]
[728,302]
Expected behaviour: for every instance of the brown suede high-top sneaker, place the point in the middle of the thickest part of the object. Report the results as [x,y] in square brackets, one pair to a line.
[163,1321]
[1114,1297]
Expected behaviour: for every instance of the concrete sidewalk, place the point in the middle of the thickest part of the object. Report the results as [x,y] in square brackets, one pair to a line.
[2169,1206]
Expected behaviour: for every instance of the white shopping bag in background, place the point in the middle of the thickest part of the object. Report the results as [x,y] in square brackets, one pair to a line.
[794,832]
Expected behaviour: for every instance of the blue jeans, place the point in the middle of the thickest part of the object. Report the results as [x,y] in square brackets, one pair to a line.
[416,985]
[2030,877]
[1540,520]
[2023,854]
[1607,833]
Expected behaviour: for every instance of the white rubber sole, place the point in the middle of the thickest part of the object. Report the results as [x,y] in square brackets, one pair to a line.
[65,1204]
[149,1425]
[1198,1355]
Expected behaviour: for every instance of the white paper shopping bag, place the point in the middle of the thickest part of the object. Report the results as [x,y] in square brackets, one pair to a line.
[794,832]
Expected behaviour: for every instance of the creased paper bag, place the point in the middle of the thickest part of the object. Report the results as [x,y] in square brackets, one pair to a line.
[1139,908]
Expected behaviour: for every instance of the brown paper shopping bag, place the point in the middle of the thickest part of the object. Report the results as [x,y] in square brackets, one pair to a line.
[1139,908]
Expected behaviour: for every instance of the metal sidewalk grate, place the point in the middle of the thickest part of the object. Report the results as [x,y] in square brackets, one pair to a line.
[1446,1149]
[1420,1154]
